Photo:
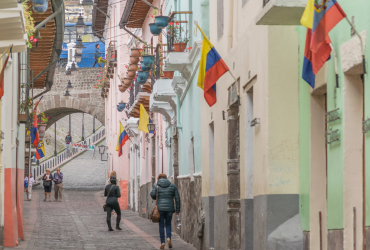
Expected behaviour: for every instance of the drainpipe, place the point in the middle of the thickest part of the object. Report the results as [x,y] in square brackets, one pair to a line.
[132,34]
[179,126]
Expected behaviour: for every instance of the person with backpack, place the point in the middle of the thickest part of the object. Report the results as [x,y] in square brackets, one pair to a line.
[167,192]
[112,192]
[68,141]
[47,183]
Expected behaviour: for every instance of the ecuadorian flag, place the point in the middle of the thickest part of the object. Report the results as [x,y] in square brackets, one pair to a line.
[319,17]
[35,133]
[211,68]
[122,138]
[40,150]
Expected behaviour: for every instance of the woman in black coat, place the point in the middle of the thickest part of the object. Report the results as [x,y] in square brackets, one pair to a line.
[47,182]
[113,193]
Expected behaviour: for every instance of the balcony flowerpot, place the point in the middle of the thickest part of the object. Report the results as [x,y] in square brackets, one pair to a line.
[40,8]
[179,47]
[122,105]
[154,29]
[135,52]
[168,74]
[38,2]
[143,67]
[41,128]
[134,60]
[161,21]
[131,73]
[121,88]
[141,81]
[127,81]
[148,60]
[143,74]
[119,109]
[130,77]
[133,67]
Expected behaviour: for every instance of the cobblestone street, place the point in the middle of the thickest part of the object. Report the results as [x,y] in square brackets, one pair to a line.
[79,221]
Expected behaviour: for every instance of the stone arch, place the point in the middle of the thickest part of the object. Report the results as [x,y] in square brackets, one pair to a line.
[56,107]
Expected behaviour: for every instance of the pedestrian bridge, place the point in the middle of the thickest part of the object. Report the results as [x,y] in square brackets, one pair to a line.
[84,97]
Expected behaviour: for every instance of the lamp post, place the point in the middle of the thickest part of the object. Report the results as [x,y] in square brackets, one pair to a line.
[79,46]
[101,151]
[66,94]
[69,86]
[151,127]
[78,57]
[80,25]
[55,139]
[68,72]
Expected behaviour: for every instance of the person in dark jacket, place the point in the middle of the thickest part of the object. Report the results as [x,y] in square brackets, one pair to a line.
[68,140]
[112,202]
[97,55]
[166,206]
[47,182]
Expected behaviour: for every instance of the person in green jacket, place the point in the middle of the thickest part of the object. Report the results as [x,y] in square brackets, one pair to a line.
[166,206]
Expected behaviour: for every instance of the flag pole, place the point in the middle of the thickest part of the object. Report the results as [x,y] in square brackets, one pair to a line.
[335,65]
[361,42]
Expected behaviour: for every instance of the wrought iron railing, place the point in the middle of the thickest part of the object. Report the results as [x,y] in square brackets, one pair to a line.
[87,61]
[137,89]
[132,97]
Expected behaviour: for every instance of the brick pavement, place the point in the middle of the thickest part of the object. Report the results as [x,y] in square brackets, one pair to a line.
[79,221]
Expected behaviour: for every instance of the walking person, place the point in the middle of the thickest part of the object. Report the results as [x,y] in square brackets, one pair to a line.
[68,141]
[112,192]
[26,185]
[47,182]
[58,187]
[166,207]
[30,184]
[113,173]
[97,55]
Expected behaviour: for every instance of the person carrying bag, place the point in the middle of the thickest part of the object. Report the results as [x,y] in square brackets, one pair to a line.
[112,192]
[164,192]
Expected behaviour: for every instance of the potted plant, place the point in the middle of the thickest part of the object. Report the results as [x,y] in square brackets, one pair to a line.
[30,24]
[168,74]
[143,67]
[122,105]
[41,124]
[134,60]
[135,51]
[160,21]
[102,60]
[154,29]
[141,81]
[121,88]
[131,73]
[180,36]
[133,67]
[143,75]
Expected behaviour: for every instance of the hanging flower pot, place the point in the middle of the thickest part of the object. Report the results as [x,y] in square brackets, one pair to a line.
[134,60]
[38,2]
[135,52]
[122,105]
[130,77]
[161,21]
[41,128]
[141,81]
[119,109]
[40,8]
[121,88]
[143,67]
[179,47]
[133,67]
[148,60]
[127,81]
[154,29]
[168,74]
[143,74]
[131,73]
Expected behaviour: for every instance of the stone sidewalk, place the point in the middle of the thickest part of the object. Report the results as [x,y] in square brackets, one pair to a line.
[80,223]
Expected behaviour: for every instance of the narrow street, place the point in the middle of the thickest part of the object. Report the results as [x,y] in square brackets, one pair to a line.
[79,222]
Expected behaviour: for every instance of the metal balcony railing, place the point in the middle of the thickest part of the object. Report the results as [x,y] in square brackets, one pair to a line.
[87,61]
[132,97]
[137,89]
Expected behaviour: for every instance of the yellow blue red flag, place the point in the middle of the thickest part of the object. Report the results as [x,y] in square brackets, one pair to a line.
[122,138]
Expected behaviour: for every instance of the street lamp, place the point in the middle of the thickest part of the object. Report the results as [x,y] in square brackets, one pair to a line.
[101,151]
[68,72]
[80,25]
[78,57]
[73,67]
[66,94]
[88,5]
[69,86]
[79,46]
[151,126]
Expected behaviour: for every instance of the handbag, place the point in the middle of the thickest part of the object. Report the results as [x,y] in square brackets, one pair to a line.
[155,215]
[105,205]
[46,183]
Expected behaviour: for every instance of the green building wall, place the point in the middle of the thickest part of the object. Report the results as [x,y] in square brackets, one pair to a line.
[335,151]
